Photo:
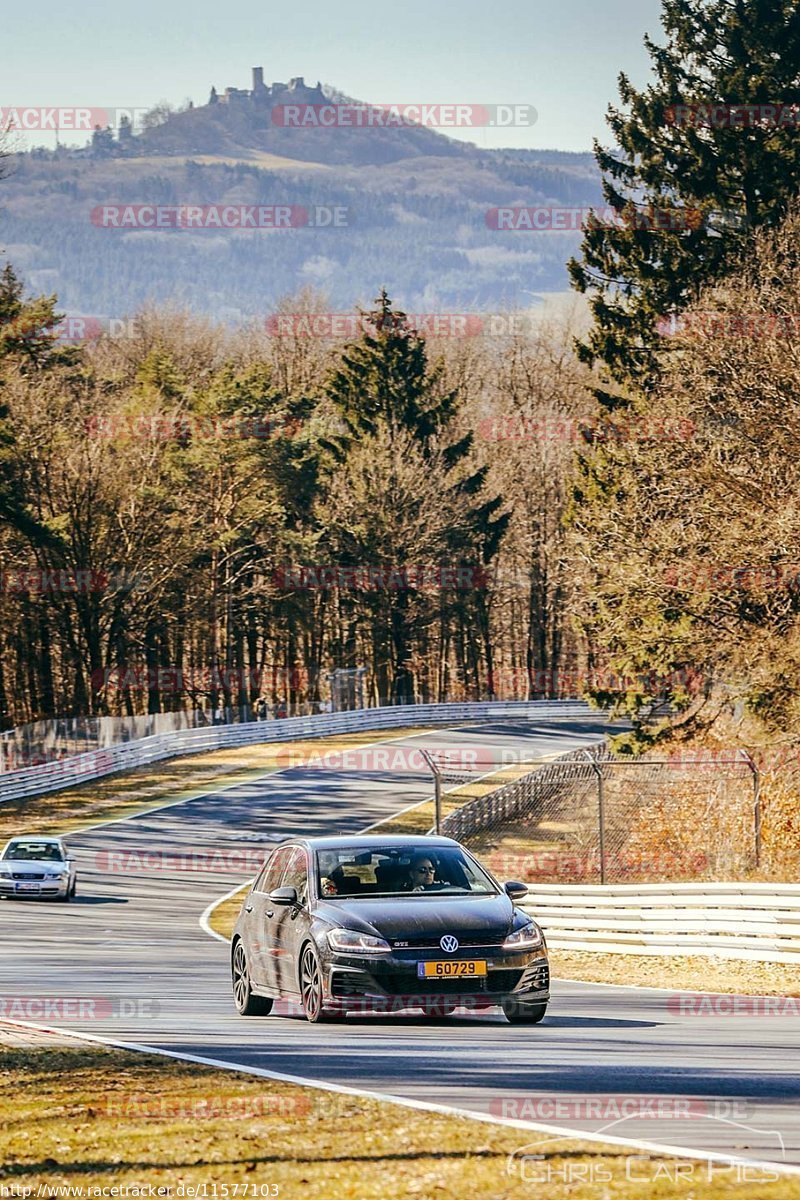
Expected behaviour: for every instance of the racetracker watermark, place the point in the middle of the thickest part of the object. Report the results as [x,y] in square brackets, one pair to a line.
[513,428]
[709,1005]
[72,329]
[43,581]
[746,577]
[403,116]
[190,1107]
[227,861]
[375,578]
[191,427]
[733,116]
[175,679]
[200,217]
[617,1108]
[577,681]
[711,758]
[77,1008]
[563,219]
[41,118]
[729,325]
[542,865]
[331,326]
[390,758]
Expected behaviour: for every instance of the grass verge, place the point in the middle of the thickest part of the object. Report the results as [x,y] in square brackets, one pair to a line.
[699,973]
[87,1117]
[136,791]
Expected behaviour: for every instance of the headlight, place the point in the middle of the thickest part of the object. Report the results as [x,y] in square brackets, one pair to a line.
[527,938]
[57,874]
[347,941]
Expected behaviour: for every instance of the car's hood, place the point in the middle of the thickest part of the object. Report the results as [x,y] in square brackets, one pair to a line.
[412,917]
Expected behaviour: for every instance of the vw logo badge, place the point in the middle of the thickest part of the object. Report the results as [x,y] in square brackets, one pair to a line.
[449,943]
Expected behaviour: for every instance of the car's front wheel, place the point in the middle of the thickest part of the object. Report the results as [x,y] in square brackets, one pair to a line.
[247,1005]
[311,989]
[523,1014]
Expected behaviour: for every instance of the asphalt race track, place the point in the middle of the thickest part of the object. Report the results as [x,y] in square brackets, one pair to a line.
[132,956]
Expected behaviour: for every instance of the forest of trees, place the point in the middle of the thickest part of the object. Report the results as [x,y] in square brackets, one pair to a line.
[194,518]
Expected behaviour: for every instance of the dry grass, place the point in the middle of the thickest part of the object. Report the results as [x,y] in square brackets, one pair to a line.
[696,973]
[88,1117]
[131,792]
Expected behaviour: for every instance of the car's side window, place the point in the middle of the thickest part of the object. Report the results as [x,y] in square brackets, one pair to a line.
[270,877]
[297,874]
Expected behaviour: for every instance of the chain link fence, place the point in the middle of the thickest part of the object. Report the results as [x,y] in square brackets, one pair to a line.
[591,817]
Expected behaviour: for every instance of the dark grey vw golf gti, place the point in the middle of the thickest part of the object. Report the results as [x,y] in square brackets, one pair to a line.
[377,924]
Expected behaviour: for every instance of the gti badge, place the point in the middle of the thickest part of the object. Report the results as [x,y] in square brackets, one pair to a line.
[449,943]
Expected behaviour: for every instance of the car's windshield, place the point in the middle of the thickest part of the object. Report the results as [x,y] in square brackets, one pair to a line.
[392,870]
[39,851]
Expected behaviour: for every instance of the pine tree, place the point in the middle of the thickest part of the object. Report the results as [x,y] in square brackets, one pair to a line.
[724,177]
[28,341]
[385,382]
[103,144]
[125,134]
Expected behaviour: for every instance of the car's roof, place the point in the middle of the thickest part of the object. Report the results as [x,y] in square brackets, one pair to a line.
[372,841]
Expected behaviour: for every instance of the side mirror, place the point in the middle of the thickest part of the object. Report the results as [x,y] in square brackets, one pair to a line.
[284,895]
[515,890]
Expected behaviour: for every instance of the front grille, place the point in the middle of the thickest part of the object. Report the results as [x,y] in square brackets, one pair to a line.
[504,981]
[350,984]
[22,875]
[538,977]
[477,940]
[404,983]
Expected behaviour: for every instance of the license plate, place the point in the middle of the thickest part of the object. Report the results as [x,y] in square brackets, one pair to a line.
[27,887]
[452,968]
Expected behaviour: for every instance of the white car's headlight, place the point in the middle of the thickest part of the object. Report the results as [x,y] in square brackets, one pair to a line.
[528,937]
[348,941]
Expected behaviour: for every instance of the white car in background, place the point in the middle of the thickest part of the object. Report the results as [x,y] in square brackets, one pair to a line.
[36,868]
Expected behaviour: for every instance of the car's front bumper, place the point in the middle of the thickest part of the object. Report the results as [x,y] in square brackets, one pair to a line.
[392,982]
[35,889]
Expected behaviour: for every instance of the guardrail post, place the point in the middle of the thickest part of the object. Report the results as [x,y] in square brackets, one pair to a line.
[437,791]
[601,812]
[756,804]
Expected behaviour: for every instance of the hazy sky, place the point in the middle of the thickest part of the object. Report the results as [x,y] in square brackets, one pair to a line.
[563,57]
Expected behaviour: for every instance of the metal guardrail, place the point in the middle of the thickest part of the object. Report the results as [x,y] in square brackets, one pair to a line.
[727,920]
[82,768]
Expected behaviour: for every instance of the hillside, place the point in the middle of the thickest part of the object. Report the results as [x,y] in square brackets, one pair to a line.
[412,207]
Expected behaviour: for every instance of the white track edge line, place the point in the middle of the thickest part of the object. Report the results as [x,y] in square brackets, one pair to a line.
[420,1105]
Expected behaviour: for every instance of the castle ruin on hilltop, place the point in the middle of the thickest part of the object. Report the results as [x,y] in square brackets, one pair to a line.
[294,92]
